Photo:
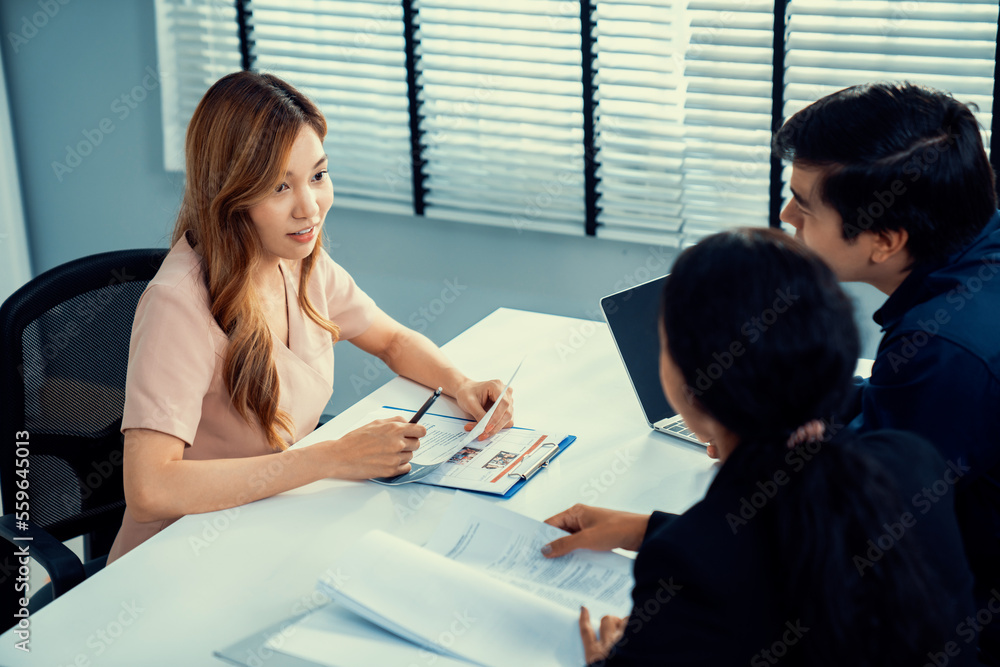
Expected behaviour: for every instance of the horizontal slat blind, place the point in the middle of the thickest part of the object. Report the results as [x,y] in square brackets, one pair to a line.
[682,96]
[640,91]
[197,43]
[727,126]
[348,57]
[945,45]
[501,112]
[684,117]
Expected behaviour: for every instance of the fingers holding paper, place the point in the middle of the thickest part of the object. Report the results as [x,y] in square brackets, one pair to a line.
[597,529]
[477,398]
[597,648]
[382,448]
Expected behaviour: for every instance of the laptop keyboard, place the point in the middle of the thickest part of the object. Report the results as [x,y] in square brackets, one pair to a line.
[681,429]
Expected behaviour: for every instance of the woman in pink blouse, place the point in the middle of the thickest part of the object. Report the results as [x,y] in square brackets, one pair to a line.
[231,356]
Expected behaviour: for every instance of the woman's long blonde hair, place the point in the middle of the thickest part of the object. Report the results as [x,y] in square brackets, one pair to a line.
[238,143]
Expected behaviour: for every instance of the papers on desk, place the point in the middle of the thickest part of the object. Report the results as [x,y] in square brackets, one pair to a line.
[449,457]
[479,591]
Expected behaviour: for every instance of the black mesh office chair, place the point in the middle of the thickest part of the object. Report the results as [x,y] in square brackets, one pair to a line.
[65,352]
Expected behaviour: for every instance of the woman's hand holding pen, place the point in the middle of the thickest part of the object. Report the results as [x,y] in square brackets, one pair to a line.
[382,448]
[477,398]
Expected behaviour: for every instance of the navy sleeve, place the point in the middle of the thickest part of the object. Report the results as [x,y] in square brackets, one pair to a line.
[852,408]
[671,613]
[657,521]
[941,392]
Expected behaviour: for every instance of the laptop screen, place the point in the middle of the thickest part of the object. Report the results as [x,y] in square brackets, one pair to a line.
[632,316]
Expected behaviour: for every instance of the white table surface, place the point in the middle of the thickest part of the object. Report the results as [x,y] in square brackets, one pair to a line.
[210,580]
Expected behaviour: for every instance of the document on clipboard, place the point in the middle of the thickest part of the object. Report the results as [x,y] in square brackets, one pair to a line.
[452,457]
[496,466]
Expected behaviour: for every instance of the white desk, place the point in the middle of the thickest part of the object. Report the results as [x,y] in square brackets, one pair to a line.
[210,580]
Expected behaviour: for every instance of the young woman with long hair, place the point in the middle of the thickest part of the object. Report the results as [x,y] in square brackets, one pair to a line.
[231,358]
[809,548]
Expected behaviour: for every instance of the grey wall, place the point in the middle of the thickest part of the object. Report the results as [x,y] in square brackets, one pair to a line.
[69,75]
[63,82]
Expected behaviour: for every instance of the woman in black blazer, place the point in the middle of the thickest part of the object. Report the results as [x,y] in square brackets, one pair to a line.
[812,546]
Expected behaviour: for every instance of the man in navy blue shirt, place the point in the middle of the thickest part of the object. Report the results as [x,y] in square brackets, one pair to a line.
[891,186]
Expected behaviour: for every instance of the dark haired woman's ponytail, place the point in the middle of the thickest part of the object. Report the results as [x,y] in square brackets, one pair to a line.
[860,611]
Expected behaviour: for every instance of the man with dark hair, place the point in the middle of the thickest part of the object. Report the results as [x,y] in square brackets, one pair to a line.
[891,186]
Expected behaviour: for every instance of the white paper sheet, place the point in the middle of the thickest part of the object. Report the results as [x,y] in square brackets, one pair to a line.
[415,592]
[508,545]
[336,637]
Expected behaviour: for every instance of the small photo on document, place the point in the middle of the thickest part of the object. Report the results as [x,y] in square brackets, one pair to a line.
[501,460]
[464,455]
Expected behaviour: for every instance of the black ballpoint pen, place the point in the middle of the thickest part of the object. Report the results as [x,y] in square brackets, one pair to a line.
[426,406]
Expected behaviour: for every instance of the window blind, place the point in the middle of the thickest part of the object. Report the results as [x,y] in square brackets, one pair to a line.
[946,45]
[640,93]
[348,57]
[197,43]
[681,96]
[684,117]
[501,112]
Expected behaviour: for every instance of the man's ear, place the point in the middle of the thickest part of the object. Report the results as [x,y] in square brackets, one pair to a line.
[888,243]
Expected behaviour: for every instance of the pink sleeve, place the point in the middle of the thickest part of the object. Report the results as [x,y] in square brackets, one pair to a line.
[348,305]
[172,360]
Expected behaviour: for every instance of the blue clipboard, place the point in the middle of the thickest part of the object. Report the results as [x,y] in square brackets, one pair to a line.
[533,469]
[535,463]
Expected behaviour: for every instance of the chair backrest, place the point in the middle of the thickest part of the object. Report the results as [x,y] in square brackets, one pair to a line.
[65,353]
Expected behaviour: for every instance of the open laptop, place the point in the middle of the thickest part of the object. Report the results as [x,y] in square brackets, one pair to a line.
[632,317]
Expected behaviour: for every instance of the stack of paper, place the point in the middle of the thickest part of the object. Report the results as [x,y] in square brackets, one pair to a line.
[479,591]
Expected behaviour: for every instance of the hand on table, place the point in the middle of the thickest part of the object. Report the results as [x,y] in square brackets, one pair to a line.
[597,529]
[382,448]
[477,398]
[612,629]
